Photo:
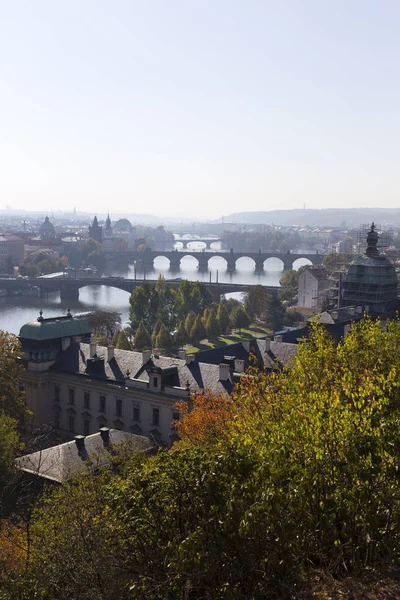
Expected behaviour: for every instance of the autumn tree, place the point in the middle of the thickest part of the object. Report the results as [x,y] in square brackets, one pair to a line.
[189,322]
[156,330]
[212,326]
[123,342]
[164,339]
[142,339]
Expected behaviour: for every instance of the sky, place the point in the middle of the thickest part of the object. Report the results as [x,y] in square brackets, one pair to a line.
[199,108]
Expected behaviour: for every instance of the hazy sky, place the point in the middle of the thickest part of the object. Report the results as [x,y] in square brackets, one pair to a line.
[199,108]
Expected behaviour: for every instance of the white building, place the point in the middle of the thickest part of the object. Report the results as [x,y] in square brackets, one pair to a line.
[313,283]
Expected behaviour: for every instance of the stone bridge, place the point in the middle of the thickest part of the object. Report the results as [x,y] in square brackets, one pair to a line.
[146,258]
[204,240]
[69,287]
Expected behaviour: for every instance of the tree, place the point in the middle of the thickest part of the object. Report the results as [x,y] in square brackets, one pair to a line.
[164,339]
[189,322]
[289,283]
[155,333]
[12,397]
[181,336]
[222,318]
[212,326]
[123,342]
[104,324]
[197,333]
[336,260]
[239,318]
[255,301]
[142,340]
[275,313]
[115,338]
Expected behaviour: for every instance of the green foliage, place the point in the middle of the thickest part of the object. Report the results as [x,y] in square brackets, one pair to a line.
[123,342]
[255,302]
[197,332]
[190,321]
[9,444]
[156,330]
[275,313]
[289,283]
[181,336]
[239,318]
[212,326]
[105,325]
[142,340]
[164,339]
[300,473]
[336,260]
[12,398]
[222,318]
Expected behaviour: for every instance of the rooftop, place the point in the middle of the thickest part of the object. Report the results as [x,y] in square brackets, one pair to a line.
[83,454]
[54,328]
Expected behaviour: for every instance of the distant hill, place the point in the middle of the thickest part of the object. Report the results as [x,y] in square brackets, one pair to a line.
[324,217]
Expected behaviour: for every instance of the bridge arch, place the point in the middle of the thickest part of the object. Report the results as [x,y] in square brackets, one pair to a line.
[245,263]
[161,262]
[190,261]
[273,263]
[214,265]
[300,262]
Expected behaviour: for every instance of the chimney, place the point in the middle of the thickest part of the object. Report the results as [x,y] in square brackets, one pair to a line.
[335,314]
[346,329]
[105,435]
[223,372]
[246,345]
[267,345]
[146,356]
[93,348]
[351,310]
[190,358]
[182,354]
[359,310]
[239,365]
[110,353]
[80,442]
[277,338]
[65,343]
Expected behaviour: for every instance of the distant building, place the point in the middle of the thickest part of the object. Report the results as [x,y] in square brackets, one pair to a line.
[46,239]
[313,283]
[108,231]
[11,251]
[371,280]
[96,231]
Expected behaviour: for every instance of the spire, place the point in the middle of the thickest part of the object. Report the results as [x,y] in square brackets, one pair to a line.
[95,224]
[108,221]
[372,241]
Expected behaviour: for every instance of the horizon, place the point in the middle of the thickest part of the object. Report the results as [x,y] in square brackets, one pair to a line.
[199,110]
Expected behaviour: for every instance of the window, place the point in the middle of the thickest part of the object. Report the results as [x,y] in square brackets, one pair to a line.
[136,412]
[86,400]
[57,420]
[155,381]
[86,427]
[71,423]
[57,393]
[175,416]
[71,396]
[118,407]
[102,407]
[156,416]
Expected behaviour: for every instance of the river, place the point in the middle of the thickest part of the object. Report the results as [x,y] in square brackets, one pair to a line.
[16,311]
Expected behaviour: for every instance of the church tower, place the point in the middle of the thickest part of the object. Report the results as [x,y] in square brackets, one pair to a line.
[95,231]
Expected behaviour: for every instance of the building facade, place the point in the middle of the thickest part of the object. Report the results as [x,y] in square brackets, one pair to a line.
[313,283]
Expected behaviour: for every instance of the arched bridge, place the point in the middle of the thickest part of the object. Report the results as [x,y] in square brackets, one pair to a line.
[147,257]
[69,287]
[204,240]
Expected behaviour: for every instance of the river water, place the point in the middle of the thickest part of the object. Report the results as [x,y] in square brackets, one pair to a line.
[16,311]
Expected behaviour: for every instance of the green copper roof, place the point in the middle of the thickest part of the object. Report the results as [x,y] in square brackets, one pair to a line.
[54,328]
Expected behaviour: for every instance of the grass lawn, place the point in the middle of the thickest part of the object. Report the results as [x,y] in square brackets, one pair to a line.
[253,331]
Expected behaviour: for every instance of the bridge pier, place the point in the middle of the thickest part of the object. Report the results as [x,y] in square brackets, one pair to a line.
[69,292]
[259,266]
[231,265]
[287,263]
[203,264]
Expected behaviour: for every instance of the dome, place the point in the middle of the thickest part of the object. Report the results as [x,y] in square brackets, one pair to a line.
[47,229]
[371,280]
[53,328]
[123,225]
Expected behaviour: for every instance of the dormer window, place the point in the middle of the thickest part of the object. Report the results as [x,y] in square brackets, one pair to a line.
[155,381]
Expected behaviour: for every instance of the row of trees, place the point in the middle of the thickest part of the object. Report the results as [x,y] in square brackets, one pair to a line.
[42,264]
[296,473]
